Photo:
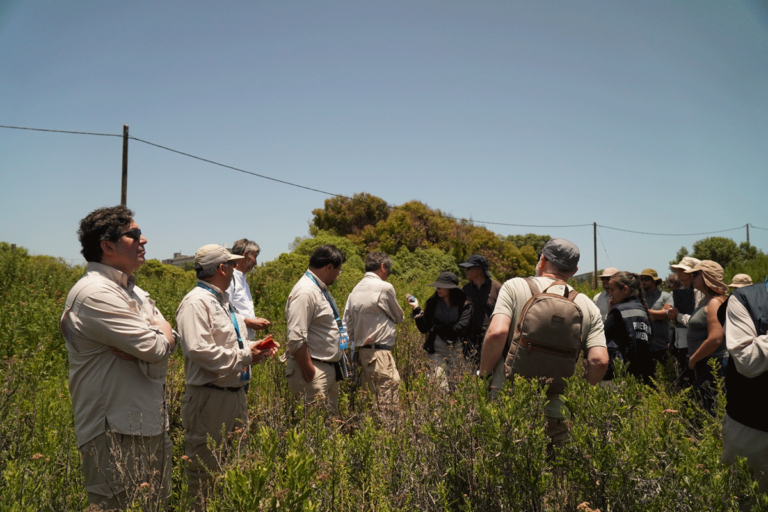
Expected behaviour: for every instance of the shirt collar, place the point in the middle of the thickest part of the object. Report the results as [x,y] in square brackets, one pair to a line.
[223,294]
[125,281]
[319,281]
[372,275]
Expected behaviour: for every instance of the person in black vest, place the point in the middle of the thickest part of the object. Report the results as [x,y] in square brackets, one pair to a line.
[745,427]
[482,291]
[628,327]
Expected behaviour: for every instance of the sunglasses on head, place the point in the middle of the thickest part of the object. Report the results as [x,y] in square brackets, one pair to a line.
[133,234]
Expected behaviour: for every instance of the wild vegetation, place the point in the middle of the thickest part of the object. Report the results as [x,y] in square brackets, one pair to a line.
[633,447]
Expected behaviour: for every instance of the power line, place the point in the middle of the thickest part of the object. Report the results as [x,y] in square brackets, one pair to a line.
[671,234]
[60,131]
[236,169]
[332,194]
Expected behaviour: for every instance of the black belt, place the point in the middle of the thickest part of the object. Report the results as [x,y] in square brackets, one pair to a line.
[213,386]
[376,346]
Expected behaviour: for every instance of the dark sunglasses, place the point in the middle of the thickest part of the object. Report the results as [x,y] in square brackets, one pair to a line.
[695,274]
[230,263]
[133,234]
[646,278]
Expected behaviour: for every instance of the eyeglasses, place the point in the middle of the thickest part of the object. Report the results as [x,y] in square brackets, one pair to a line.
[695,274]
[133,234]
[646,278]
[231,263]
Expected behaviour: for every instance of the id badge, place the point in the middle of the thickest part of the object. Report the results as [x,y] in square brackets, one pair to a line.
[245,375]
[343,341]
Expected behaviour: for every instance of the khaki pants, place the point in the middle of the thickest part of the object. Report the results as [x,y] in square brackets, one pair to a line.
[743,441]
[115,466]
[380,376]
[204,412]
[324,384]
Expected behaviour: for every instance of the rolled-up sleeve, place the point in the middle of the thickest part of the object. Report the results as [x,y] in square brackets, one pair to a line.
[298,313]
[116,323]
[388,303]
[200,345]
[749,351]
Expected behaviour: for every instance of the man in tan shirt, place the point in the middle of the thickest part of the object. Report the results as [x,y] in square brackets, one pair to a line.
[217,359]
[558,261]
[118,345]
[313,331]
[371,315]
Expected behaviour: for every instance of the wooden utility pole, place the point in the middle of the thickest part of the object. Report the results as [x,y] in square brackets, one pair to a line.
[594,276]
[124,193]
[747,233]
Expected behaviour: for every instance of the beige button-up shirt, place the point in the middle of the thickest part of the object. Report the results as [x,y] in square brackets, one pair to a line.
[310,320]
[106,309]
[372,312]
[209,340]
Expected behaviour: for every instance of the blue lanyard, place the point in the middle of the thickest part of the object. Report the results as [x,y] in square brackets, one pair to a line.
[342,333]
[245,375]
[325,294]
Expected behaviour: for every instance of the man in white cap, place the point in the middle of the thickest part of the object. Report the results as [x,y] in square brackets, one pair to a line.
[602,299]
[217,360]
[684,301]
[558,261]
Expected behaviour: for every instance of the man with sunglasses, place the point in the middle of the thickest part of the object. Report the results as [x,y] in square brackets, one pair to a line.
[118,345]
[658,303]
[217,360]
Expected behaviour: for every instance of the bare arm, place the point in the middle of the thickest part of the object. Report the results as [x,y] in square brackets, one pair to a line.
[714,334]
[257,323]
[597,364]
[493,346]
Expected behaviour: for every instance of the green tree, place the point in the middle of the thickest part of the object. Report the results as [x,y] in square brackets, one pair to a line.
[531,240]
[349,216]
[717,248]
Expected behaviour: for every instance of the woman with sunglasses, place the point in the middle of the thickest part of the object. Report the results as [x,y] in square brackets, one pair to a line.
[705,333]
[628,327]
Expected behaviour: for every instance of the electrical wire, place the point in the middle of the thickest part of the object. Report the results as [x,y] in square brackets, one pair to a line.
[347,197]
[60,131]
[670,234]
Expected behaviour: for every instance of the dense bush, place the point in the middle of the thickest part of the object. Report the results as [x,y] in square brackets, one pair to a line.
[633,447]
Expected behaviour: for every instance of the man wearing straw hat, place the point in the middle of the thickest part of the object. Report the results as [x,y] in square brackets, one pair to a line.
[685,300]
[602,299]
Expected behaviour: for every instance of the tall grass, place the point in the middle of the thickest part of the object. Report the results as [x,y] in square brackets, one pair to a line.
[632,447]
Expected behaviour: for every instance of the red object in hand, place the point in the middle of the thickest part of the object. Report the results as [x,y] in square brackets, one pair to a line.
[267,344]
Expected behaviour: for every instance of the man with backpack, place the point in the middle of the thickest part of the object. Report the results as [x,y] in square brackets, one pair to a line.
[553,325]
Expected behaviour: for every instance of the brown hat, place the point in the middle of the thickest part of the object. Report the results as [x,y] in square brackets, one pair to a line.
[609,272]
[713,275]
[652,274]
[740,280]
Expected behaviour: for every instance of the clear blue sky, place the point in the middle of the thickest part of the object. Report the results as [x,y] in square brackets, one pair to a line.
[648,116]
